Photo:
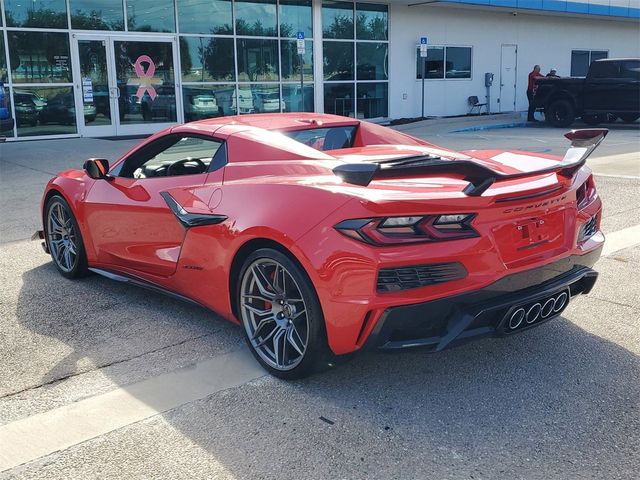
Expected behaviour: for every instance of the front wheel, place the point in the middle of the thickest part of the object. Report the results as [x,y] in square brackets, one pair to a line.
[64,239]
[281,315]
[560,113]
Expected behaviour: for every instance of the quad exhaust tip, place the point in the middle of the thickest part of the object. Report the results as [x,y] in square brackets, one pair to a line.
[538,311]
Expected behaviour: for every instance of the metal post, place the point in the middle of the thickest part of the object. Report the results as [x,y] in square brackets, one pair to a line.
[424,61]
[301,85]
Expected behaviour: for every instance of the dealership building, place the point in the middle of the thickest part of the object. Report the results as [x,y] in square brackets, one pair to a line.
[129,67]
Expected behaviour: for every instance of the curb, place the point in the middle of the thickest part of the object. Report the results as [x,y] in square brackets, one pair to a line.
[490,127]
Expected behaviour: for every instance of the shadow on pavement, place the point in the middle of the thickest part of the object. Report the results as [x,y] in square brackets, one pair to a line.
[554,401]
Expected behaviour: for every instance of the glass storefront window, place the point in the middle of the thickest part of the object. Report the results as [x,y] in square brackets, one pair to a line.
[265,98]
[458,62]
[295,16]
[290,60]
[3,61]
[339,99]
[38,57]
[337,19]
[44,111]
[36,13]
[257,60]
[338,60]
[94,71]
[205,16]
[292,101]
[372,100]
[371,21]
[256,17]
[372,61]
[206,59]
[151,16]
[96,14]
[208,101]
[146,69]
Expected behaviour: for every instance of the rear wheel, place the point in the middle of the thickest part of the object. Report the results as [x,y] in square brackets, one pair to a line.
[64,239]
[629,117]
[281,315]
[560,113]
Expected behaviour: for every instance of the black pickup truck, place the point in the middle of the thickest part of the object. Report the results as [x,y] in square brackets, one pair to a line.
[611,89]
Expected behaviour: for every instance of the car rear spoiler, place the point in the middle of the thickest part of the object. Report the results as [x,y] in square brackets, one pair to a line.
[480,177]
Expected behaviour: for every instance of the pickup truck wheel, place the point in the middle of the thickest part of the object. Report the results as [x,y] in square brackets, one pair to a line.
[629,117]
[560,113]
[594,120]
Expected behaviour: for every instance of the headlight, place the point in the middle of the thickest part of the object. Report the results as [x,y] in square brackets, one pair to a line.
[414,229]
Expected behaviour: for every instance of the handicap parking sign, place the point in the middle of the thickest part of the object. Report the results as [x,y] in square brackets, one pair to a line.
[423,40]
[300,35]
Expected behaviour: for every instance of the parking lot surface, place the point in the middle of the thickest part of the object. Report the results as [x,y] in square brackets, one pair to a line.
[100,379]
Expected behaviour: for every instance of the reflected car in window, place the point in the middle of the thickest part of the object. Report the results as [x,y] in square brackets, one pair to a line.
[26,109]
[61,109]
[197,107]
[267,101]
[163,106]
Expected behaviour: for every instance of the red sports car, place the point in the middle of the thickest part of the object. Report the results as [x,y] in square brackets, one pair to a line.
[323,235]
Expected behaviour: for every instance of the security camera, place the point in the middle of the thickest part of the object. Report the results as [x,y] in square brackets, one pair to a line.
[515,14]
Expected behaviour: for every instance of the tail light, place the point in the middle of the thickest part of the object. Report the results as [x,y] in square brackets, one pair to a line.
[585,193]
[414,229]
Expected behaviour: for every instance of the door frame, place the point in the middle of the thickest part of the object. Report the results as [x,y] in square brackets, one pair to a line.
[116,128]
[515,77]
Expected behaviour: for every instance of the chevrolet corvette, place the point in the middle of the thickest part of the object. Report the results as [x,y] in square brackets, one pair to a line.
[323,235]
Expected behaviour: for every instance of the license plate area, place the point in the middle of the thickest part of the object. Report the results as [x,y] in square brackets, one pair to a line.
[530,236]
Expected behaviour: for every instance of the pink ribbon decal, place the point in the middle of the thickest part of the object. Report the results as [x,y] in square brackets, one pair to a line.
[145,77]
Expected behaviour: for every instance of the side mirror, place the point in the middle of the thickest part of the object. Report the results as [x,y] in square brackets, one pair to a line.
[97,168]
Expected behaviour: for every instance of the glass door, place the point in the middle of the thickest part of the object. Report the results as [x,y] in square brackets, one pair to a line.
[96,95]
[127,85]
[145,79]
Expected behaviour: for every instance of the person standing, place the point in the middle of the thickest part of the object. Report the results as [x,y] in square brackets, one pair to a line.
[531,88]
[553,73]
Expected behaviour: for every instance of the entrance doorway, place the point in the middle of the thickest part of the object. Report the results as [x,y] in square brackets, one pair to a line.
[508,75]
[125,85]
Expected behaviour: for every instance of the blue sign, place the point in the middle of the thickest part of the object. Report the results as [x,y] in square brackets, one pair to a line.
[300,35]
[423,40]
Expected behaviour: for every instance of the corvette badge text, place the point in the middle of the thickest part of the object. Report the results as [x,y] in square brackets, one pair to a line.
[546,203]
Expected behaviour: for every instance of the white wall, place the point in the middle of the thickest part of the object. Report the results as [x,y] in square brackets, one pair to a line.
[542,39]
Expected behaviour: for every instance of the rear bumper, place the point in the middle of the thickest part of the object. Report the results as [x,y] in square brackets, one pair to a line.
[449,321]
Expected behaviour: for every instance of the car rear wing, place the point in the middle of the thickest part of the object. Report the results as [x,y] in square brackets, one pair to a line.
[480,177]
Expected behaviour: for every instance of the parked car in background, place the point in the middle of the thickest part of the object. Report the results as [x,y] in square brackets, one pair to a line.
[201,105]
[61,109]
[610,89]
[163,106]
[25,108]
[267,101]
[6,120]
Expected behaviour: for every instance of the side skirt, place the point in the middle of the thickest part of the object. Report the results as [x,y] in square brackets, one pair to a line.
[139,282]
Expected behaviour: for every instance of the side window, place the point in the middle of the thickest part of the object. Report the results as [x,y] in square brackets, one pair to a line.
[172,155]
[604,70]
[630,69]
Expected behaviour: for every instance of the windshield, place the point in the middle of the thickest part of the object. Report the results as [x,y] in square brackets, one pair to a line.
[331,138]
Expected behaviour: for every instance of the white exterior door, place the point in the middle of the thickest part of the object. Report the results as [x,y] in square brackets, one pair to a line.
[508,72]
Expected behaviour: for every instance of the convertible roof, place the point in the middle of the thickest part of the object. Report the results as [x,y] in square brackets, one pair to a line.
[275,121]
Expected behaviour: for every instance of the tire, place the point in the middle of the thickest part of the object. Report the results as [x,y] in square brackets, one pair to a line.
[64,239]
[595,119]
[560,113]
[629,117]
[276,320]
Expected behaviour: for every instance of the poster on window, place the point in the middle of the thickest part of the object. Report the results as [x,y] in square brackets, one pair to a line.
[87,90]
